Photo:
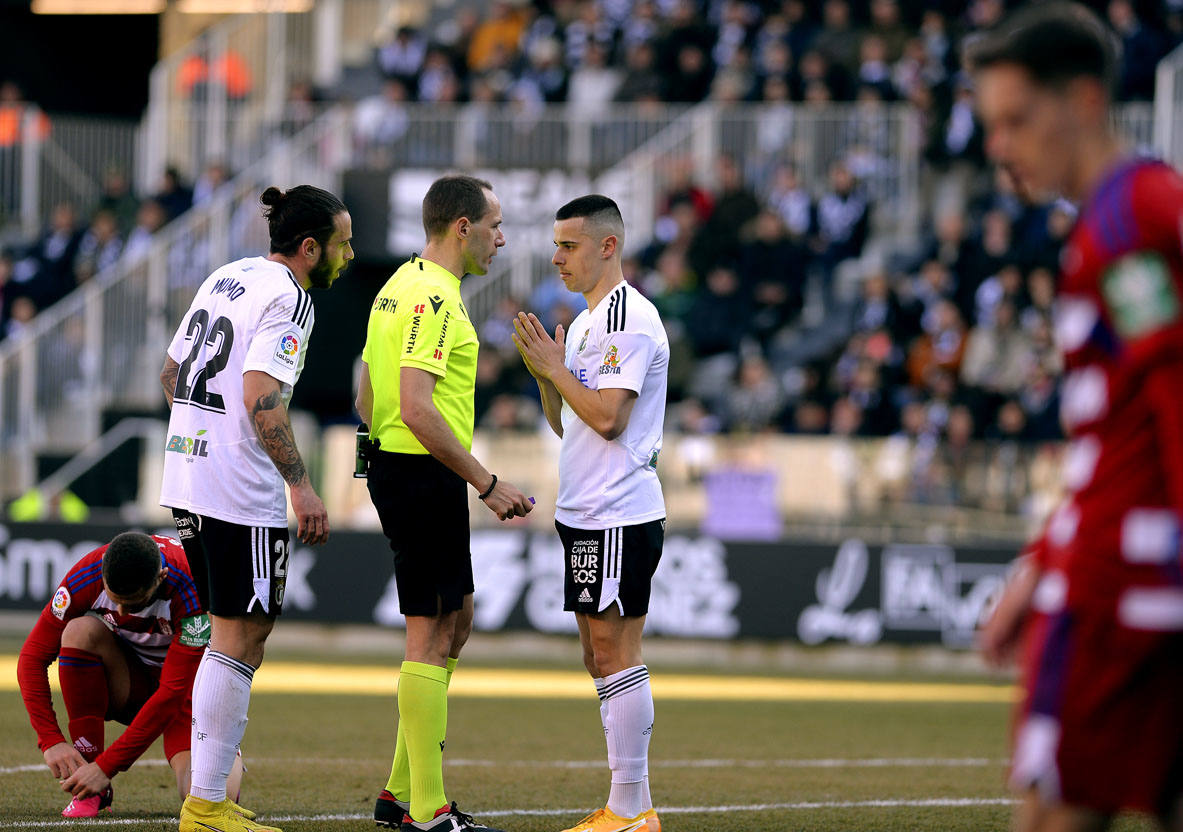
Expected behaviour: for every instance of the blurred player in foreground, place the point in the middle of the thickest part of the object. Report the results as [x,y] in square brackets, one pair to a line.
[1097,599]
[604,395]
[128,632]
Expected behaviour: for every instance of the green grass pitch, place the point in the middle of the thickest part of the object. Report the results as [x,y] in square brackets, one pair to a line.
[317,761]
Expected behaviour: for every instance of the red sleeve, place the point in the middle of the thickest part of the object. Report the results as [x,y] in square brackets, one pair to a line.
[176,682]
[32,672]
[1143,290]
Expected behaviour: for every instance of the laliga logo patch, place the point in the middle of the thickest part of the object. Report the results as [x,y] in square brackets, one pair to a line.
[61,602]
[289,347]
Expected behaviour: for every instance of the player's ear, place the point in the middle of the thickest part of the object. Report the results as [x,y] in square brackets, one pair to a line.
[462,225]
[163,574]
[608,247]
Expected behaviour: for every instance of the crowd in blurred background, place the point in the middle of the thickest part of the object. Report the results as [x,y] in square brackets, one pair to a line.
[779,318]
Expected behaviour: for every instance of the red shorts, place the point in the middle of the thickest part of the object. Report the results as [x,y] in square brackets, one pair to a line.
[145,678]
[1101,722]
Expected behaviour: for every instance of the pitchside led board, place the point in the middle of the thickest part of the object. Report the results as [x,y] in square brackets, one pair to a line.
[845,592]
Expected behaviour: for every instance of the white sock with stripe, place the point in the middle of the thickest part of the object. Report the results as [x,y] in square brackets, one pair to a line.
[628,723]
[221,695]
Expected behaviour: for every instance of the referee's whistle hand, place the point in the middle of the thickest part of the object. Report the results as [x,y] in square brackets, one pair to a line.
[507,501]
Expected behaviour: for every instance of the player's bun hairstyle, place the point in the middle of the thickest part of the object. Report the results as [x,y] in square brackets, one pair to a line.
[1054,42]
[451,197]
[131,563]
[600,211]
[297,214]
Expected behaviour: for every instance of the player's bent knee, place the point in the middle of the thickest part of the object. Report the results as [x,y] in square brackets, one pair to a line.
[86,633]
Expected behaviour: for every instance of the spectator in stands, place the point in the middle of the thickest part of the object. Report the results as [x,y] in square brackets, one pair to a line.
[499,32]
[793,202]
[1142,48]
[174,195]
[998,354]
[843,220]
[755,398]
[99,247]
[716,319]
[215,175]
[838,41]
[641,80]
[48,267]
[149,219]
[545,72]
[299,108]
[118,199]
[379,122]
[401,57]
[939,347]
[22,311]
[735,205]
[772,271]
[593,83]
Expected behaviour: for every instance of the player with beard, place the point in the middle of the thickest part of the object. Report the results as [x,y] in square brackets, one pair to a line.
[228,377]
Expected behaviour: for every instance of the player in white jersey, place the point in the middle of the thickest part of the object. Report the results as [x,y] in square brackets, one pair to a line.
[603,392]
[228,377]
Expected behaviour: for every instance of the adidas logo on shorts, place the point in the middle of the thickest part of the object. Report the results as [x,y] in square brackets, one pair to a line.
[585,597]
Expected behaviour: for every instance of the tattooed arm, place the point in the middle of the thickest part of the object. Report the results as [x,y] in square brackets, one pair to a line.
[168,378]
[269,416]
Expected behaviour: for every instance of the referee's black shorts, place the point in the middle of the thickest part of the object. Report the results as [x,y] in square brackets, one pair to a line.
[423,506]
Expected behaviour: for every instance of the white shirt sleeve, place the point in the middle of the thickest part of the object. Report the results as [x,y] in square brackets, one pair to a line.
[278,342]
[625,360]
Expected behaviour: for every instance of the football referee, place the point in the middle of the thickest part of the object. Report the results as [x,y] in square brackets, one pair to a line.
[417,386]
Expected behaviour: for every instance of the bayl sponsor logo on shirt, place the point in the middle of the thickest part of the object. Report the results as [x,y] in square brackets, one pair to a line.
[60,603]
[611,365]
[188,446]
[288,349]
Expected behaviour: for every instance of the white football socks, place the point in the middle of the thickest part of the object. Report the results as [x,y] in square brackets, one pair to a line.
[221,695]
[627,712]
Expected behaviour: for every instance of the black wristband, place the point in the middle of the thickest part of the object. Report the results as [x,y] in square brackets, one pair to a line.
[492,485]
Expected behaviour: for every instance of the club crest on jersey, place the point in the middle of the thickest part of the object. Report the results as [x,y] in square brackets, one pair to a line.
[60,603]
[611,365]
[288,348]
[583,340]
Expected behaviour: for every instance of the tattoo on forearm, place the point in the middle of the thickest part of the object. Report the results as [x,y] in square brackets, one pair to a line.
[168,380]
[277,438]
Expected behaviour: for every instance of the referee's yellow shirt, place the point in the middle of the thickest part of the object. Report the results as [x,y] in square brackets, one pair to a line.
[418,320]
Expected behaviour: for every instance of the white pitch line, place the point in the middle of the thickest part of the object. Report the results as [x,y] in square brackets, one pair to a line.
[901,803]
[885,762]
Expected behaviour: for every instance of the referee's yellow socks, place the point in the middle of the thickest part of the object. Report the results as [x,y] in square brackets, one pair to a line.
[417,772]
[399,783]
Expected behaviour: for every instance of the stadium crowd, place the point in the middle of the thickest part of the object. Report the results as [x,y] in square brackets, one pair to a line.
[785,312]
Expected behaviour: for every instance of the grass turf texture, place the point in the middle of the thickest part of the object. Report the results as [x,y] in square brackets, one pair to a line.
[319,759]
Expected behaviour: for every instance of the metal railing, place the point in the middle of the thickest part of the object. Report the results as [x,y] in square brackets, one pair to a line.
[104,343]
[60,159]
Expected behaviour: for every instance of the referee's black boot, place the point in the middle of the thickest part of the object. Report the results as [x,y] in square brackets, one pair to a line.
[390,812]
[447,819]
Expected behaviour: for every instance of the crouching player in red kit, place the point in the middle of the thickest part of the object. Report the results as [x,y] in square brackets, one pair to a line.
[1098,599]
[128,633]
